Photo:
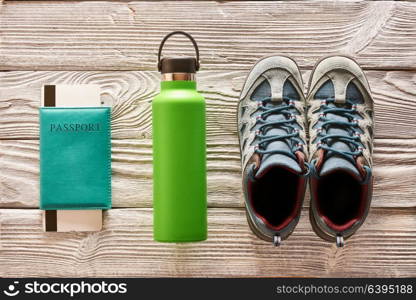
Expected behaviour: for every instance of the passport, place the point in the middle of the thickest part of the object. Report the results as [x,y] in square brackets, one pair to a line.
[75,158]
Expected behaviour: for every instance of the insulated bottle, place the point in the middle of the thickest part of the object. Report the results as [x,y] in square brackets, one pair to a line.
[179,152]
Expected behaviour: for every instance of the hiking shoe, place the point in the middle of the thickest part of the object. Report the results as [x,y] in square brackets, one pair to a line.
[271,128]
[341,124]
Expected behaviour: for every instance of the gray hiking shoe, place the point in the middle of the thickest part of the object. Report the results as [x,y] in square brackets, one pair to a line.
[271,127]
[340,119]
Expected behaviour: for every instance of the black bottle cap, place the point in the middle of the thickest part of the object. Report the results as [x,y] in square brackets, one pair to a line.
[180,64]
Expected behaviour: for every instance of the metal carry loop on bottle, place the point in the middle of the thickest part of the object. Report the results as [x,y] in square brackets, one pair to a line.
[162,43]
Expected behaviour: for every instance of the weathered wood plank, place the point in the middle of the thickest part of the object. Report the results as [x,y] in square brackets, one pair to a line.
[124,36]
[232,35]
[394,159]
[132,174]
[130,94]
[385,246]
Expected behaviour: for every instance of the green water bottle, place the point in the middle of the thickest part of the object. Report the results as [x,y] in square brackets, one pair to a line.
[179,152]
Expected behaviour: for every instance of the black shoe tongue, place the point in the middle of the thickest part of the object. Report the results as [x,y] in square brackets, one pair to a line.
[276,160]
[336,162]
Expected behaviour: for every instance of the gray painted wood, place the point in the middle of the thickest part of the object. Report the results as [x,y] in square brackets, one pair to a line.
[384,246]
[42,35]
[394,169]
[130,94]
[96,38]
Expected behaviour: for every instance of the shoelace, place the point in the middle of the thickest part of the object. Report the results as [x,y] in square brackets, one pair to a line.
[350,126]
[287,124]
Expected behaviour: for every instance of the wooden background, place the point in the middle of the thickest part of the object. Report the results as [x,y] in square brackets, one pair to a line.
[114,44]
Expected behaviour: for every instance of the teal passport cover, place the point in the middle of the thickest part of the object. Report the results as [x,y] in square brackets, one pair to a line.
[75,158]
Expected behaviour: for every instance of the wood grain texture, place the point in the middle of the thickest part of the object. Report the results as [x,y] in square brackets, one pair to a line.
[48,35]
[394,159]
[384,246]
[88,41]
[130,94]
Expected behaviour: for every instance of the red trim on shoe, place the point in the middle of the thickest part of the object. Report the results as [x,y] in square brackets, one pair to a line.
[360,166]
[301,184]
[339,228]
[319,159]
[361,210]
[301,159]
